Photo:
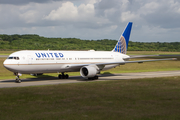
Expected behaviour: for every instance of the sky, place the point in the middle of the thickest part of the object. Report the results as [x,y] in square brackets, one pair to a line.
[153,20]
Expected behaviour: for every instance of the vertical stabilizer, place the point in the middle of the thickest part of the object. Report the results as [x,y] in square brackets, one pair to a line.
[122,43]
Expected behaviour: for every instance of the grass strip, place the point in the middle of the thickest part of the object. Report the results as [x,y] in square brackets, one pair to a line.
[153,98]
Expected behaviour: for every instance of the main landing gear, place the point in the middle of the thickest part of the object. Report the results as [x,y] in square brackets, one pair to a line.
[93,78]
[63,76]
[18,80]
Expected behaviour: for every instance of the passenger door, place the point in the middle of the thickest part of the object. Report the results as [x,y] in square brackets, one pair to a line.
[29,59]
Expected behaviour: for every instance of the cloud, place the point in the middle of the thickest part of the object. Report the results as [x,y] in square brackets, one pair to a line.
[21,2]
[91,19]
[82,15]
[165,15]
[149,8]
[128,16]
[66,12]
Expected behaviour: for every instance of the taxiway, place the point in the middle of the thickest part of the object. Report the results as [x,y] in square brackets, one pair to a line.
[3,56]
[77,79]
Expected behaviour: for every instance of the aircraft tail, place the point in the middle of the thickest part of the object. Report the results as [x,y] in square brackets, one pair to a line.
[122,43]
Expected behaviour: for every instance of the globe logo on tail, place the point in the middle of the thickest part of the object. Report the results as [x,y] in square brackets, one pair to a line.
[121,46]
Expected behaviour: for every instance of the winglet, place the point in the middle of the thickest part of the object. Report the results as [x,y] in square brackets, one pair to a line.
[122,43]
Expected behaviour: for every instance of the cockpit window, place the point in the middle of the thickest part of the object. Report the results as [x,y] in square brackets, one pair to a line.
[10,58]
[15,58]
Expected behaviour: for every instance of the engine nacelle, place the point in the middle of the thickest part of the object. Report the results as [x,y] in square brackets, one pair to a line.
[88,71]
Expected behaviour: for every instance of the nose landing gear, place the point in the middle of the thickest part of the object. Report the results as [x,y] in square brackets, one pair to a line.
[18,80]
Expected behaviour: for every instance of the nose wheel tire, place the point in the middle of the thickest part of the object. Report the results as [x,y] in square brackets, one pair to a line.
[18,80]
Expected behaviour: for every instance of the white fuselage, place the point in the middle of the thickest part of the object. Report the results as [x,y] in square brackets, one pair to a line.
[41,61]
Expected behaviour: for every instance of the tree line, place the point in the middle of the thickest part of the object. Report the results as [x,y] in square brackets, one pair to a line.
[36,42]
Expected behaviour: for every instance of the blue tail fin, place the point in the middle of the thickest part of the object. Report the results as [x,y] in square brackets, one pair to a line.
[122,43]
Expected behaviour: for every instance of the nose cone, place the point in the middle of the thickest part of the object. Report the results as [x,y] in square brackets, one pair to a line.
[7,65]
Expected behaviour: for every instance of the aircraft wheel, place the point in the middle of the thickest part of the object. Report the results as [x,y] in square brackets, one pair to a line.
[66,76]
[63,76]
[18,80]
[93,78]
[96,77]
[60,76]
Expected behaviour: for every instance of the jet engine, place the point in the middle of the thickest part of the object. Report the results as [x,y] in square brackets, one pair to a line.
[89,72]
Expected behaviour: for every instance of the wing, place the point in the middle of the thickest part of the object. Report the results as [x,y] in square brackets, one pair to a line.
[120,63]
[139,61]
[142,56]
[154,56]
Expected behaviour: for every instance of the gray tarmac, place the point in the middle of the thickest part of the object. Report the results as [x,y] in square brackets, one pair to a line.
[3,56]
[77,79]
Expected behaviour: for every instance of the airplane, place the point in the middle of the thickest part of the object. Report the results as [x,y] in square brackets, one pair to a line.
[89,63]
